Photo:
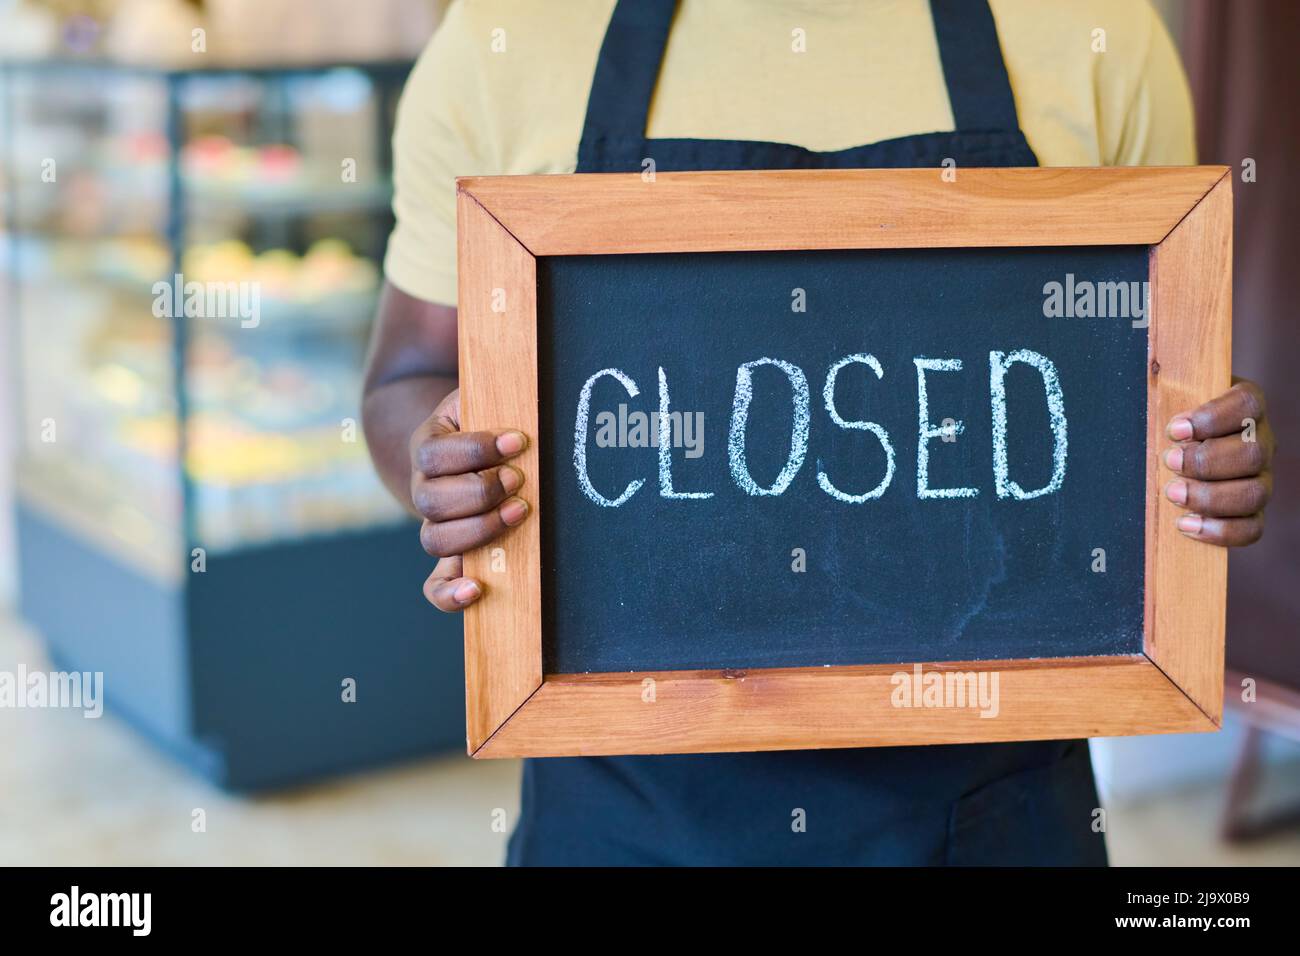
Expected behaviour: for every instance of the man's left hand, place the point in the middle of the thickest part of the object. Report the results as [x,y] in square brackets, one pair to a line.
[1223,456]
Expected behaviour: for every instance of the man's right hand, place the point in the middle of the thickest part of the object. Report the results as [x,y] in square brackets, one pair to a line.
[464,492]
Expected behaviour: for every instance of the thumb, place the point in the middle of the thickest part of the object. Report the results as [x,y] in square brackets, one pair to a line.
[452,401]
[446,417]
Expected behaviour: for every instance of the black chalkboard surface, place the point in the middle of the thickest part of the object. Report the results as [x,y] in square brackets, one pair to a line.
[787,563]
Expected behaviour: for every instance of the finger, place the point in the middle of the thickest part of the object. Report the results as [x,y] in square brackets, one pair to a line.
[1225,532]
[440,453]
[443,538]
[1217,458]
[447,590]
[460,496]
[1222,415]
[1222,499]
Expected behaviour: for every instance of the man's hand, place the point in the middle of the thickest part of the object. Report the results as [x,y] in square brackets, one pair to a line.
[1223,456]
[462,489]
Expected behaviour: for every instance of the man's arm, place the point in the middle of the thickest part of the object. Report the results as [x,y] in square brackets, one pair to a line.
[455,481]
[412,366]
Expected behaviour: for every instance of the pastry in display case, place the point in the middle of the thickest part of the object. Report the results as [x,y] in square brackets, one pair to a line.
[191,279]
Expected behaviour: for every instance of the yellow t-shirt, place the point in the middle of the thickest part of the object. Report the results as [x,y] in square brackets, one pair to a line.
[502,88]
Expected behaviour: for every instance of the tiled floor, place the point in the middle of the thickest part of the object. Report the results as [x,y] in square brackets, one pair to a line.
[91,791]
[1180,829]
[75,791]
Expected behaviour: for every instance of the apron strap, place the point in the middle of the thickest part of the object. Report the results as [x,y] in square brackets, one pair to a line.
[632,52]
[628,69]
[979,89]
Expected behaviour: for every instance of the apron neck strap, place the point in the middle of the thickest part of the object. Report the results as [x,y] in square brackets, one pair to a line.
[979,90]
[627,70]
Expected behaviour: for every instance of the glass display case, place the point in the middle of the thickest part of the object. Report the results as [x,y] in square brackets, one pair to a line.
[192,260]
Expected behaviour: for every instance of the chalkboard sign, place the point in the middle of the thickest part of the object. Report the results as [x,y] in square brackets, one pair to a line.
[817,454]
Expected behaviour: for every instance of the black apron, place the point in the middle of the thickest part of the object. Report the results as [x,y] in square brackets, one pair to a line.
[1019,803]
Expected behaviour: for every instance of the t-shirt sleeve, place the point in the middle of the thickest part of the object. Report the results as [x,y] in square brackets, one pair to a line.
[433,142]
[1157,126]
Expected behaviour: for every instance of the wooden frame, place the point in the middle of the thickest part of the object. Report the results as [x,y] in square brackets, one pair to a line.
[1176,685]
